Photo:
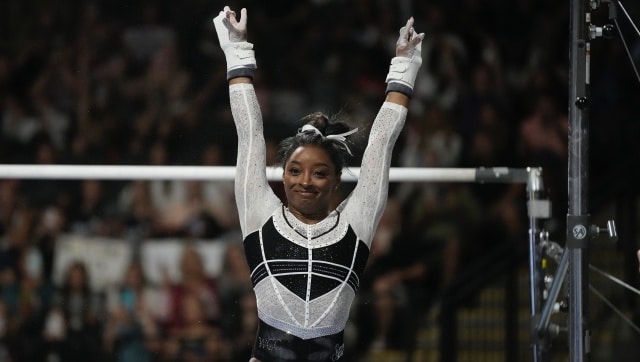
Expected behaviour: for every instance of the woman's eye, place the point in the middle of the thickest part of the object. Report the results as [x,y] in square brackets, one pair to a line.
[294,171]
[321,174]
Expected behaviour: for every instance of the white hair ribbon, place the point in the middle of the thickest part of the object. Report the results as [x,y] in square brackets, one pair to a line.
[340,138]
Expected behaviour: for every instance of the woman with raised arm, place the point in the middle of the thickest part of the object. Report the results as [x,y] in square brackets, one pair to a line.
[306,258]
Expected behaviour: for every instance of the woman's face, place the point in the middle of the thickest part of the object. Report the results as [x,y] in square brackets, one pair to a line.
[76,277]
[309,181]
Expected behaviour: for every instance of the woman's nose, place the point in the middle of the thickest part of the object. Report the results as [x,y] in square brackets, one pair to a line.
[305,180]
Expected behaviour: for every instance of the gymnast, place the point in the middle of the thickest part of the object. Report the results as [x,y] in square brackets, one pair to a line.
[306,258]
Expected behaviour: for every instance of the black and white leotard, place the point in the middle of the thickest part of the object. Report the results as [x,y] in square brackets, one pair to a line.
[305,276]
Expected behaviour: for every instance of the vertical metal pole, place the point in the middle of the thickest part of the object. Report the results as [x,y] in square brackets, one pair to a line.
[577,218]
[534,190]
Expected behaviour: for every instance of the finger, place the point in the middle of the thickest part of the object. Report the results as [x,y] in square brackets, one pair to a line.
[243,18]
[410,22]
[227,12]
[405,31]
[416,39]
[230,15]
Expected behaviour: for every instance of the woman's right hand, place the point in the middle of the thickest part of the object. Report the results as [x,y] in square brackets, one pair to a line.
[232,35]
[237,30]
[405,65]
[408,44]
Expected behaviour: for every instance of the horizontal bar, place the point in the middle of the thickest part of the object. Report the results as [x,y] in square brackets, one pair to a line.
[227,173]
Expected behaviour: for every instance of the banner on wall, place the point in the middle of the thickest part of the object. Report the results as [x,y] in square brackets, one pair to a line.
[161,258]
[106,259]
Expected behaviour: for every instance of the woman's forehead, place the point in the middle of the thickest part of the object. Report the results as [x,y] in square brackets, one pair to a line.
[310,154]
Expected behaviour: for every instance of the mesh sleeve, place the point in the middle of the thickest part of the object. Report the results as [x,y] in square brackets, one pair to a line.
[365,205]
[254,197]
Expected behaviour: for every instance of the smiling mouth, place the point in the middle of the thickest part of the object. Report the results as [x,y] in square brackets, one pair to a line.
[306,194]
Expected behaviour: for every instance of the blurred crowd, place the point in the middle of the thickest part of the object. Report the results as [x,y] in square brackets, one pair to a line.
[143,83]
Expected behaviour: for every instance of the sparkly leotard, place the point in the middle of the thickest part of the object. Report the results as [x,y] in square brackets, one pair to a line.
[305,276]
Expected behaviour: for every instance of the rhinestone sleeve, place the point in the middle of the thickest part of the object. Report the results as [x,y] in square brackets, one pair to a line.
[255,199]
[365,205]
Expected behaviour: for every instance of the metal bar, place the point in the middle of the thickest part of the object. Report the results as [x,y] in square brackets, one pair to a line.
[577,218]
[542,325]
[221,173]
[534,194]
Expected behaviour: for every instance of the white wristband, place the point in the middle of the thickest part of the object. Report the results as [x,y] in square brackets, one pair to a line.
[240,57]
[402,74]
[241,60]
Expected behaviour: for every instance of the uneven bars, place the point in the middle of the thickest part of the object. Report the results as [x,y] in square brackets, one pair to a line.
[227,173]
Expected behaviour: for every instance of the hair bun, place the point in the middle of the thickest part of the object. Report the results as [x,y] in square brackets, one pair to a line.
[317,119]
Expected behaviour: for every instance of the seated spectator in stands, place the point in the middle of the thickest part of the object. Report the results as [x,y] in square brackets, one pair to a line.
[239,321]
[385,302]
[33,294]
[219,197]
[4,332]
[178,204]
[19,126]
[92,210]
[235,277]
[136,209]
[42,193]
[193,281]
[542,142]
[72,329]
[194,340]
[9,202]
[131,334]
[188,216]
[50,226]
[243,335]
[385,323]
[12,226]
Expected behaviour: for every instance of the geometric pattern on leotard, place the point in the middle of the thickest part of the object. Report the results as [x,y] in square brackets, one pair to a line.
[309,271]
[315,302]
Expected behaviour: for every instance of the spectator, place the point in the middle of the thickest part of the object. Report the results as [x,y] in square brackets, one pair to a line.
[188,216]
[194,340]
[193,281]
[131,333]
[219,198]
[72,329]
[92,211]
[543,136]
[34,296]
[136,209]
[18,126]
[385,323]
[240,320]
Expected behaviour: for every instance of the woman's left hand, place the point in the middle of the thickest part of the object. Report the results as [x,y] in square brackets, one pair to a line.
[409,41]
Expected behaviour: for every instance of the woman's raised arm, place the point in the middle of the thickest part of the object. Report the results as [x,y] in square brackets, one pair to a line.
[251,185]
[370,195]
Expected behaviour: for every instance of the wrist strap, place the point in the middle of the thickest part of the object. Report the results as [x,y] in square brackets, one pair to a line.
[399,87]
[402,75]
[240,72]
[241,61]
